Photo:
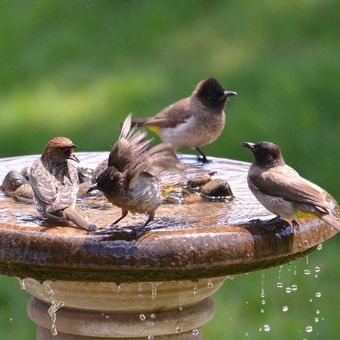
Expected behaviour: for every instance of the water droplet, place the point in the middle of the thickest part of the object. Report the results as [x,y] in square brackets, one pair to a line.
[260,329]
[210,284]
[262,293]
[246,334]
[317,294]
[247,302]
[142,317]
[195,332]
[284,308]
[179,329]
[307,260]
[288,290]
[317,269]
[261,310]
[22,284]
[316,276]
[11,319]
[310,300]
[263,302]
[306,272]
[316,320]
[153,316]
[309,329]
[319,247]
[266,328]
[195,288]
[180,308]
[294,287]
[151,337]
[107,316]
[317,311]
[279,285]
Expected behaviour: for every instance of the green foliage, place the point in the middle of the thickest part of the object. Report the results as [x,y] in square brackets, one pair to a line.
[76,68]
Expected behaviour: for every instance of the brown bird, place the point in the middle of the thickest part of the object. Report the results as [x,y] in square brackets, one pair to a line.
[54,180]
[281,190]
[194,121]
[130,180]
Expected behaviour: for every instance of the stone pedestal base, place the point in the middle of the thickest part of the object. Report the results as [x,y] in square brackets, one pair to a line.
[103,311]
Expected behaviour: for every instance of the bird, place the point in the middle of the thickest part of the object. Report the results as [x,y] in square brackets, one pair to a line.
[194,121]
[130,180]
[282,191]
[55,183]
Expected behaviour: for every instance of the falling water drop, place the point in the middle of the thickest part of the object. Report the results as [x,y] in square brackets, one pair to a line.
[285,309]
[288,290]
[153,316]
[142,317]
[266,328]
[319,247]
[316,320]
[318,294]
[317,312]
[307,260]
[140,290]
[309,329]
[151,337]
[195,332]
[180,308]
[294,287]
[306,272]
[210,284]
[279,285]
[317,269]
[261,310]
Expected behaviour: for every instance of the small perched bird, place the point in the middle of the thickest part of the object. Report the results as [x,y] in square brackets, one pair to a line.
[281,190]
[54,180]
[130,180]
[194,121]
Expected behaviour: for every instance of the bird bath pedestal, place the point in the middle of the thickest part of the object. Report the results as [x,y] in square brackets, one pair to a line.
[155,284]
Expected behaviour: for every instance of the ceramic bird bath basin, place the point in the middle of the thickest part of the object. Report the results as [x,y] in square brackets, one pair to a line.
[130,283]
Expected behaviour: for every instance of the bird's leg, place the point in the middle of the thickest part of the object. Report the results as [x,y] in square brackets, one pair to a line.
[73,216]
[203,158]
[124,213]
[151,217]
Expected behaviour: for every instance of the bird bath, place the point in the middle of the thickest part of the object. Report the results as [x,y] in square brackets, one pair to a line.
[155,284]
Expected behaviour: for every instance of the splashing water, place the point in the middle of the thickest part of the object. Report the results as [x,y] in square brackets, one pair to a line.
[285,309]
[195,288]
[154,287]
[55,305]
[142,317]
[210,284]
[52,312]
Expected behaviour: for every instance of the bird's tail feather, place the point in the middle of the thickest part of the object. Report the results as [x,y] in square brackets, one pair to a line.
[332,221]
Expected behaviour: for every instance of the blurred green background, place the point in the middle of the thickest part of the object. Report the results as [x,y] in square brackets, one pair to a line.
[76,68]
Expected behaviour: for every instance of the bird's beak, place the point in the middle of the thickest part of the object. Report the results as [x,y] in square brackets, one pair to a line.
[73,157]
[75,146]
[230,93]
[249,145]
[93,188]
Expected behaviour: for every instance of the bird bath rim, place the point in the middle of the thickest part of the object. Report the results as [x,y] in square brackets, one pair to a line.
[211,239]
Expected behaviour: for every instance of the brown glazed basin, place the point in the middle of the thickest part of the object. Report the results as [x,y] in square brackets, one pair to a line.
[184,242]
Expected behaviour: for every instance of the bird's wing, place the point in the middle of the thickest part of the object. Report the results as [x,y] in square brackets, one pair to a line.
[169,117]
[285,182]
[42,183]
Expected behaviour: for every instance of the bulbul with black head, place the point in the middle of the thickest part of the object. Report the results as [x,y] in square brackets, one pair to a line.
[130,180]
[282,191]
[194,121]
[55,183]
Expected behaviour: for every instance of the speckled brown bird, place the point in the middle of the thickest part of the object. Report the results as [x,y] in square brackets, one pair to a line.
[281,190]
[54,180]
[194,121]
[130,180]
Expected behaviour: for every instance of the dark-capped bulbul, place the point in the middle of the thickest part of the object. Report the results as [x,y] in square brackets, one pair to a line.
[281,190]
[194,121]
[130,180]
[55,183]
